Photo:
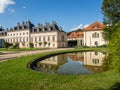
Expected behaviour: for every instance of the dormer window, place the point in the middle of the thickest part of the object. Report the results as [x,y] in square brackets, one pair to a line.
[96,27]
[40,30]
[25,27]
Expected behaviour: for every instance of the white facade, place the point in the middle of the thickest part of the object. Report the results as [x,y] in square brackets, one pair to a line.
[93,35]
[94,38]
[48,36]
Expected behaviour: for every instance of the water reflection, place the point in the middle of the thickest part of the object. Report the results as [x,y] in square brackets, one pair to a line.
[73,63]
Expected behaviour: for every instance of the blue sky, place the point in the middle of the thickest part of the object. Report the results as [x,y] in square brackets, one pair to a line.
[68,14]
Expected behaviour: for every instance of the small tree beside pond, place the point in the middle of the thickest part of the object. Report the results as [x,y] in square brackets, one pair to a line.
[7,45]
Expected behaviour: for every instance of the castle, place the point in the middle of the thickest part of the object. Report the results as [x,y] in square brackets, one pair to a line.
[41,36]
[52,36]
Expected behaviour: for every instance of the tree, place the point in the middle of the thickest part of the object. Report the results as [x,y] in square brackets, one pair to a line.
[7,45]
[16,46]
[111,11]
[31,45]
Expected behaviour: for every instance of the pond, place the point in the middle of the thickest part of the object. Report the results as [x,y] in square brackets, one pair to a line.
[73,63]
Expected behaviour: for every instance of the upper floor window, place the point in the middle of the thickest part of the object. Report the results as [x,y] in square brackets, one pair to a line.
[95,35]
[63,38]
[53,38]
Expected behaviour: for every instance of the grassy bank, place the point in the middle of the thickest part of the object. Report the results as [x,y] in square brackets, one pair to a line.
[14,75]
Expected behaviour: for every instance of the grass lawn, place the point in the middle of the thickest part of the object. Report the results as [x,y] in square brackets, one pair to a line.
[21,49]
[14,75]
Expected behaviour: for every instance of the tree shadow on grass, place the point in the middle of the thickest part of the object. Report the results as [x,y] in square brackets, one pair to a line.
[116,86]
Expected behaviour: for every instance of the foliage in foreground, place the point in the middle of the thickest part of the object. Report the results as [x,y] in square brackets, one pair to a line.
[111,11]
[14,75]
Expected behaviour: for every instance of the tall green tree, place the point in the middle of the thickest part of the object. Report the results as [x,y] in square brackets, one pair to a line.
[111,11]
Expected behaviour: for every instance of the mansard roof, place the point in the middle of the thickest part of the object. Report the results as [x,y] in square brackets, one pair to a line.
[1,29]
[22,26]
[94,26]
[38,28]
[46,28]
[2,32]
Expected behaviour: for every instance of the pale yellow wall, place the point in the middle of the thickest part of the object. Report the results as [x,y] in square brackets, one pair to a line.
[90,41]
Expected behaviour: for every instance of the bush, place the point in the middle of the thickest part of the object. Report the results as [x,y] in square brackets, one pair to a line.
[104,45]
[16,46]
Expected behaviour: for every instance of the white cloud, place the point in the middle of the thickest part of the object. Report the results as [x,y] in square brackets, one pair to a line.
[76,28]
[24,7]
[86,25]
[11,10]
[81,26]
[4,4]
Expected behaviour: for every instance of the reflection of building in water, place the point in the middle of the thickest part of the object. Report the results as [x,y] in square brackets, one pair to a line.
[50,65]
[91,60]
[78,56]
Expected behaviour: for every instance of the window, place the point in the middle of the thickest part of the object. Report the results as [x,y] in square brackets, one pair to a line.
[96,27]
[39,38]
[48,38]
[53,38]
[96,53]
[95,35]
[48,44]
[95,61]
[23,40]
[35,39]
[43,38]
[62,37]
[26,39]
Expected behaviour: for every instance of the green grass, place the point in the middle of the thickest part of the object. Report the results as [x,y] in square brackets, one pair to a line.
[21,49]
[14,75]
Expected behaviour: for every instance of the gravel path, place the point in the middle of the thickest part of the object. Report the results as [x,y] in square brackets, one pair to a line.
[4,56]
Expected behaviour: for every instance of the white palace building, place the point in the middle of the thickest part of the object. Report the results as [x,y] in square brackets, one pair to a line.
[41,36]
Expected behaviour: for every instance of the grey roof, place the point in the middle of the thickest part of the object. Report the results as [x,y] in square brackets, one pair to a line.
[46,28]
[34,29]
